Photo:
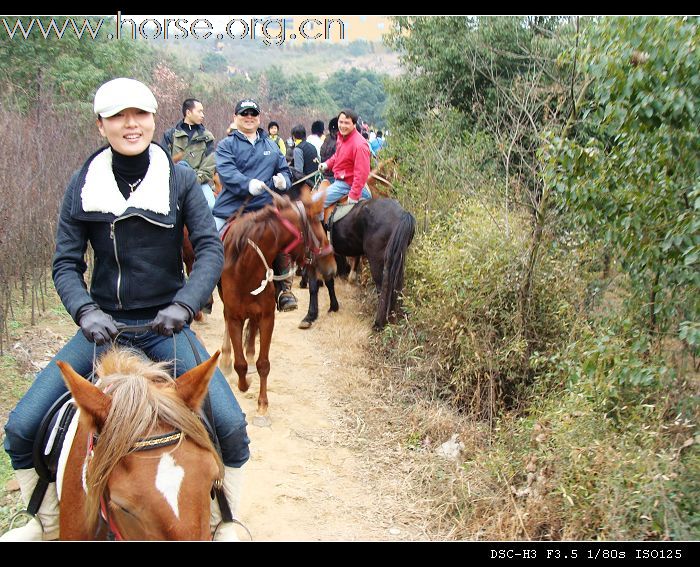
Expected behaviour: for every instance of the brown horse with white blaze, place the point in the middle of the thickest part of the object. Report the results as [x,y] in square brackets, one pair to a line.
[251,244]
[141,456]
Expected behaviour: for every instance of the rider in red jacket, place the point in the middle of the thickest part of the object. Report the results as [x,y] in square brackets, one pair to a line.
[350,163]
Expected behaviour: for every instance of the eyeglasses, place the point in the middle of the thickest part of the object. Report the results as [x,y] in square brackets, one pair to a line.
[249,113]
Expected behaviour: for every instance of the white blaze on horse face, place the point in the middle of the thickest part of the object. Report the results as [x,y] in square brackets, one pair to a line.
[168,481]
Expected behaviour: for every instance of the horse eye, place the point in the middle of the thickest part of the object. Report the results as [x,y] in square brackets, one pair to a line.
[118,508]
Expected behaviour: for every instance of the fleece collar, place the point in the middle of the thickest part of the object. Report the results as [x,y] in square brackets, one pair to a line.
[102,195]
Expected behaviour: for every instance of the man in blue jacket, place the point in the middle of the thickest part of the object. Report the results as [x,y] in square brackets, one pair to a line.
[247,160]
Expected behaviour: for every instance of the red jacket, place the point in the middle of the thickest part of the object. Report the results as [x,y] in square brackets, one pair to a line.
[350,162]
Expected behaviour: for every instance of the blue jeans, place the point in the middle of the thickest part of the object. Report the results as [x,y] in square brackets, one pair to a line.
[338,189]
[209,195]
[48,386]
[206,189]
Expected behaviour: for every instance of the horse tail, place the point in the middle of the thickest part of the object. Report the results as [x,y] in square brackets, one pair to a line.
[394,263]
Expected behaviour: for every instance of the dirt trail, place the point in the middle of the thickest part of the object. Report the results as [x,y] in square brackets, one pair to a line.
[308,477]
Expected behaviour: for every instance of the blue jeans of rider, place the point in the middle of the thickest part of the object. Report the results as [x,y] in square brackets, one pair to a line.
[206,189]
[338,189]
[209,195]
[48,386]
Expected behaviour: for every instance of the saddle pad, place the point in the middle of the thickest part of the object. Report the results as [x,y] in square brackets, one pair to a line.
[341,211]
[65,450]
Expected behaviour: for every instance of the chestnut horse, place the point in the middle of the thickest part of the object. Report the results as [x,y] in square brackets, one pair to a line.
[379,178]
[151,471]
[251,243]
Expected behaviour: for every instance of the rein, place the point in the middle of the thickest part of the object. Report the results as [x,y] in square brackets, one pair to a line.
[380,178]
[269,273]
[304,178]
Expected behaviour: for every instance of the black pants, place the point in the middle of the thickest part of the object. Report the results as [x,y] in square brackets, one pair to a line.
[282,265]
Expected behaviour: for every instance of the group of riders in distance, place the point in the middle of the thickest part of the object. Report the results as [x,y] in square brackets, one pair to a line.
[135,381]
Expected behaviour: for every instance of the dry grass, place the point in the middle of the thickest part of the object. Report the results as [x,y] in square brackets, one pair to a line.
[393,424]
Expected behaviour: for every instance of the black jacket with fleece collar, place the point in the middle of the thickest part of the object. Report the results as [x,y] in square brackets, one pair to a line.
[137,243]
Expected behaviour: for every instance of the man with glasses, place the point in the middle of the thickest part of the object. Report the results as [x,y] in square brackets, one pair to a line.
[248,160]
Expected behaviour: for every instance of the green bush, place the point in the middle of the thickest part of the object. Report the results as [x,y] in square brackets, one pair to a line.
[461,297]
[604,451]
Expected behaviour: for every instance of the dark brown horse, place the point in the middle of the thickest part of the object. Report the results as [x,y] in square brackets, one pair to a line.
[251,244]
[381,230]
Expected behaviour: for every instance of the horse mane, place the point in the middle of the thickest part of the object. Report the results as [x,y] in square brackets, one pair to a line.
[252,225]
[143,395]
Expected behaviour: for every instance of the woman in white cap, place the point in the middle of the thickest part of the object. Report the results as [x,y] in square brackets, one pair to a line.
[130,202]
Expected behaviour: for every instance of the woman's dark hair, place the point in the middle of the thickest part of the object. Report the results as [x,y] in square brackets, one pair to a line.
[271,124]
[299,132]
[333,125]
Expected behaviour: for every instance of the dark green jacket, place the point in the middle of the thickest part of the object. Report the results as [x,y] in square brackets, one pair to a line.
[199,151]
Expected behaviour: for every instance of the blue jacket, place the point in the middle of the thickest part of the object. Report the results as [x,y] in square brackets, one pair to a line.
[237,162]
[138,259]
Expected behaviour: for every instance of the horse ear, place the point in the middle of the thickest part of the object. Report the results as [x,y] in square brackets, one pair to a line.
[317,200]
[192,385]
[88,396]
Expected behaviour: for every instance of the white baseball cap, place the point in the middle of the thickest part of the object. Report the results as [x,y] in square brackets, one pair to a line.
[118,94]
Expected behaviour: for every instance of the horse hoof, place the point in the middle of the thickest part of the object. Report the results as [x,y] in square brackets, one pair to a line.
[333,308]
[262,421]
[244,384]
[305,324]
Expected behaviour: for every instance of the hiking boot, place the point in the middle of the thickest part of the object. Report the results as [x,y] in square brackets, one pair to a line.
[44,526]
[286,301]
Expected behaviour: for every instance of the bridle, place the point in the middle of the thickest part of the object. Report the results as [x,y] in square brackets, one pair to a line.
[312,245]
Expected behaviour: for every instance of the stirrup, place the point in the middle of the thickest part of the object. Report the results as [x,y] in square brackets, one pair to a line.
[286,301]
[234,521]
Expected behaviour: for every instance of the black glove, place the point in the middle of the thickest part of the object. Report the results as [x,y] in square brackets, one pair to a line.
[171,320]
[97,326]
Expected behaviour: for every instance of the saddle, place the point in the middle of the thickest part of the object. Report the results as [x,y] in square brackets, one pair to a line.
[47,446]
[334,213]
